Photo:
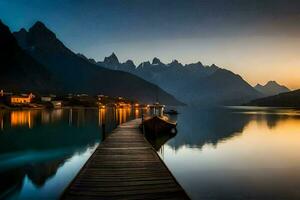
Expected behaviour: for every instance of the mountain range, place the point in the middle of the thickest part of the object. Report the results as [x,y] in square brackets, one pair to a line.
[191,83]
[287,99]
[37,60]
[76,74]
[271,88]
[19,71]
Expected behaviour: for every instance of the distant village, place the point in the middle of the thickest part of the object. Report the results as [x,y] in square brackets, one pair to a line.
[9,100]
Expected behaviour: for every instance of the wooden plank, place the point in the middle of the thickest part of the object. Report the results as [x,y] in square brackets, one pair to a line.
[124,166]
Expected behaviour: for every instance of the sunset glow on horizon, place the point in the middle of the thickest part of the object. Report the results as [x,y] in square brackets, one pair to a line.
[258,40]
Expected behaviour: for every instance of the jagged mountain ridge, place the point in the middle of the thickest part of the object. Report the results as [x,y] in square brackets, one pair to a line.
[191,83]
[19,71]
[77,74]
[271,88]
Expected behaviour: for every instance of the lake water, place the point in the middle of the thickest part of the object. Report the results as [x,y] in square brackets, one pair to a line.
[236,153]
[221,153]
[41,151]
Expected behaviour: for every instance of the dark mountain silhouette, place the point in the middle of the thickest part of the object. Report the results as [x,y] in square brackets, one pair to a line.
[19,71]
[112,60]
[192,83]
[91,60]
[79,74]
[271,88]
[288,99]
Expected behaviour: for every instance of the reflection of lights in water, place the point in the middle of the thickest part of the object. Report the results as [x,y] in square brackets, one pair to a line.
[2,123]
[122,114]
[51,116]
[70,116]
[45,117]
[20,118]
[136,113]
[56,115]
[101,116]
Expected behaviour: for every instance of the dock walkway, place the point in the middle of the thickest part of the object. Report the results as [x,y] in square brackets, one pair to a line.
[125,166]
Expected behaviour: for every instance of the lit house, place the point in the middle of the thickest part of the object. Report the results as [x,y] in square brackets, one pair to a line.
[22,99]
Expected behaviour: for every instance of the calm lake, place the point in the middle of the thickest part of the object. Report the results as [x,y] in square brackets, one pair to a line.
[221,153]
[236,153]
[41,151]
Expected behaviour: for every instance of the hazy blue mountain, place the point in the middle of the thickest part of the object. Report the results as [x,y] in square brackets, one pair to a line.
[225,87]
[271,88]
[79,74]
[287,99]
[19,71]
[112,62]
[191,83]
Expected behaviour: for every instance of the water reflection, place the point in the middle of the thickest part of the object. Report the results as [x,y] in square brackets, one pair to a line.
[220,153]
[236,153]
[101,116]
[198,127]
[37,145]
[136,112]
[22,118]
[1,122]
[122,114]
[11,182]
[158,140]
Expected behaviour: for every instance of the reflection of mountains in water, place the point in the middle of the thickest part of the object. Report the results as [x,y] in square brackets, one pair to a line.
[39,173]
[38,151]
[43,138]
[38,155]
[36,143]
[272,116]
[11,182]
[197,127]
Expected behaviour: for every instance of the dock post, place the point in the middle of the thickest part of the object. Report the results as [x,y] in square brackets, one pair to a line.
[143,127]
[103,132]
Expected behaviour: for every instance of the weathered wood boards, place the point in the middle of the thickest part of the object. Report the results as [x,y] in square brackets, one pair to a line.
[125,166]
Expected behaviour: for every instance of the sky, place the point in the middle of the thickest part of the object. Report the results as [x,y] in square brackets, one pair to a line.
[260,40]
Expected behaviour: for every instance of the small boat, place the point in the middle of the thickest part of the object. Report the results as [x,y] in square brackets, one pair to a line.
[171,112]
[159,124]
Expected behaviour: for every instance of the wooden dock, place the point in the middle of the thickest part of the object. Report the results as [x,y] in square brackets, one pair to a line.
[125,166]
